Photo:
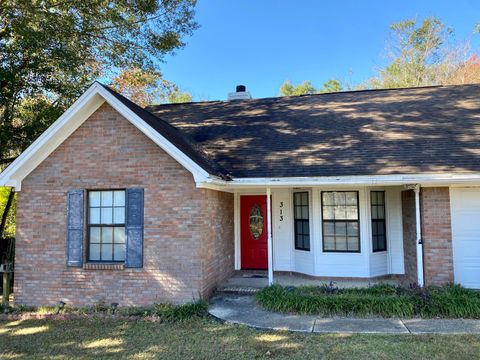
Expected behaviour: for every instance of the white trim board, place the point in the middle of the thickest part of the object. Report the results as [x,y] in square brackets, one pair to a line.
[66,124]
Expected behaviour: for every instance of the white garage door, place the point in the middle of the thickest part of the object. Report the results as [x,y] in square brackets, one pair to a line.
[465,203]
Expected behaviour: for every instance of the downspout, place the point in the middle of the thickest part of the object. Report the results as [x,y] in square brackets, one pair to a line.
[418,232]
[269,236]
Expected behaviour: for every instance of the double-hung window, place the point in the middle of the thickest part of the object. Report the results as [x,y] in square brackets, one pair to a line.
[340,221]
[301,220]
[106,226]
[379,237]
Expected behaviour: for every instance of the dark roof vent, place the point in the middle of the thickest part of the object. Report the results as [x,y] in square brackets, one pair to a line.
[240,93]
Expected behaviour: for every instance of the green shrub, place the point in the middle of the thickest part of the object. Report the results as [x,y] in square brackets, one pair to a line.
[172,313]
[451,301]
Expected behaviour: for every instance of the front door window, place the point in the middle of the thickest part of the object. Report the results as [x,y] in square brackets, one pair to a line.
[256,221]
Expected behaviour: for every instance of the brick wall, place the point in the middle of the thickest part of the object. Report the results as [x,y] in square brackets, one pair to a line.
[188,235]
[409,237]
[436,235]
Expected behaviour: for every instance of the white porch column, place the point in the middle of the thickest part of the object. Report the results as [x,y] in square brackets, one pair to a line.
[269,236]
[418,232]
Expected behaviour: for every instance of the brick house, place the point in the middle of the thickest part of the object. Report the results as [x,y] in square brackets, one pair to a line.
[164,203]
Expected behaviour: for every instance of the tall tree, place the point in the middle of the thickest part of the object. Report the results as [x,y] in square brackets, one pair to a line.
[416,54]
[50,50]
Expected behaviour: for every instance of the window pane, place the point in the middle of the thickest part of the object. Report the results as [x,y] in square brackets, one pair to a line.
[353,244]
[381,212]
[340,229]
[340,213]
[94,252]
[328,213]
[328,228]
[352,229]
[107,252]
[107,198]
[119,252]
[94,198]
[381,197]
[305,199]
[94,216]
[119,235]
[329,243]
[107,215]
[341,243]
[306,242]
[107,235]
[339,198]
[327,198]
[351,198]
[304,212]
[119,215]
[352,213]
[306,228]
[119,198]
[374,212]
[95,235]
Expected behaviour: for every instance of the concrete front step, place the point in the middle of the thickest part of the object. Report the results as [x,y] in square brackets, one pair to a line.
[241,290]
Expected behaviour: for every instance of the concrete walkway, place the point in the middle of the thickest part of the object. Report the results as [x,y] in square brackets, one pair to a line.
[242,309]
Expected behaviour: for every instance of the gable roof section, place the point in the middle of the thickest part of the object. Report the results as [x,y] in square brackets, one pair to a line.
[163,134]
[360,133]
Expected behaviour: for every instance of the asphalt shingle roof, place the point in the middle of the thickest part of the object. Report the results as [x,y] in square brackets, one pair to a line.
[397,131]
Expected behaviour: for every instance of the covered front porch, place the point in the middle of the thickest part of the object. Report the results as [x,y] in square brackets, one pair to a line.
[352,235]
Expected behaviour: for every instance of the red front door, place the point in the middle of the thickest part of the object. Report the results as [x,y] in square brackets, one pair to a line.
[253,232]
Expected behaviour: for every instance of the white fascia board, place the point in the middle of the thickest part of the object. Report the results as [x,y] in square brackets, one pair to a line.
[444,179]
[66,124]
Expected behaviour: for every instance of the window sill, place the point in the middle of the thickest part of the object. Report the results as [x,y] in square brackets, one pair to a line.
[104,266]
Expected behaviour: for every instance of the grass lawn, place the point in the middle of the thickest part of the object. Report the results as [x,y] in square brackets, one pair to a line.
[201,338]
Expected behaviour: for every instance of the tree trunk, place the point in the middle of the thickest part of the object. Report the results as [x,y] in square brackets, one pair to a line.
[3,222]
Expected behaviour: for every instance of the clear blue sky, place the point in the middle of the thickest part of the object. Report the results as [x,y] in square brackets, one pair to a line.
[261,43]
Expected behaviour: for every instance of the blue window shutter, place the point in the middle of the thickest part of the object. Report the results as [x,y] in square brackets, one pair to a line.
[75,228]
[134,228]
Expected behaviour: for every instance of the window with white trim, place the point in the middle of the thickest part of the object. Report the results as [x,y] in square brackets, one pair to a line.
[340,221]
[301,220]
[106,226]
[379,236]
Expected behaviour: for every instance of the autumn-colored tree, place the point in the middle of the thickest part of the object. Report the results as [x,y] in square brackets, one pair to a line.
[146,87]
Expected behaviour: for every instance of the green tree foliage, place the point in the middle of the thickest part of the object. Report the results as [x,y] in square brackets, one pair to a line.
[50,50]
[289,89]
[10,224]
[332,85]
[417,54]
[306,87]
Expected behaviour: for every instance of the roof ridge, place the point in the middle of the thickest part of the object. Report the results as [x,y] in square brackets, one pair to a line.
[274,98]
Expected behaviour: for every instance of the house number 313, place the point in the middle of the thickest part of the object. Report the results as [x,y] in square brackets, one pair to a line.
[281,210]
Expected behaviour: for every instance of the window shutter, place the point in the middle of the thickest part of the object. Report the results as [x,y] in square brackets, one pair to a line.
[134,228]
[75,228]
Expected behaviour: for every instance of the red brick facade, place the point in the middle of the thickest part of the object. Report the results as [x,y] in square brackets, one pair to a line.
[188,232]
[436,235]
